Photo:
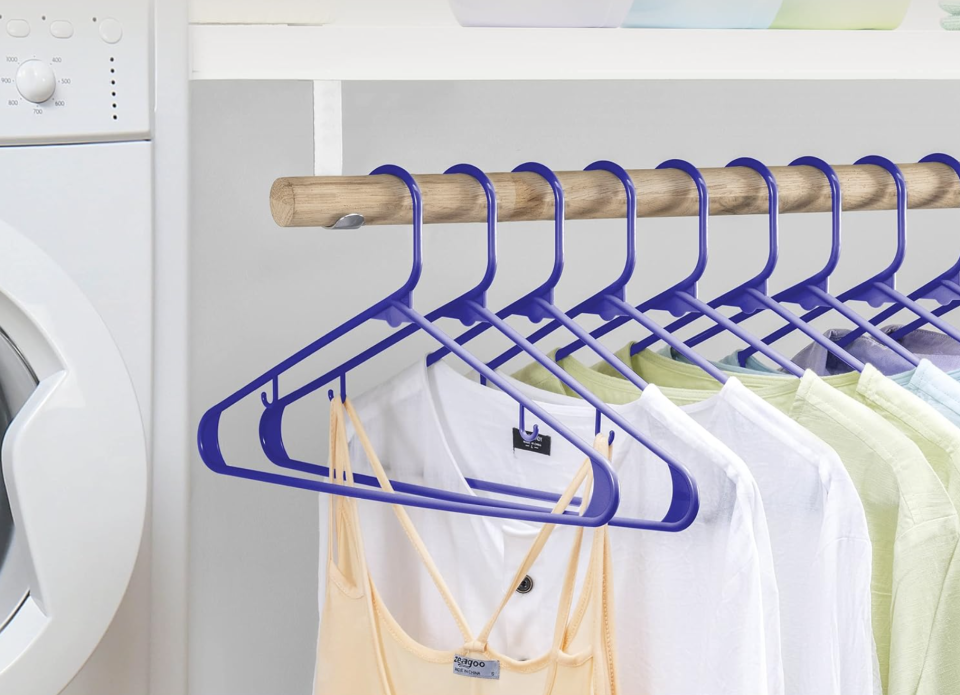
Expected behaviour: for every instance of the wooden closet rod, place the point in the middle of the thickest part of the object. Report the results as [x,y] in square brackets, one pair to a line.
[315,201]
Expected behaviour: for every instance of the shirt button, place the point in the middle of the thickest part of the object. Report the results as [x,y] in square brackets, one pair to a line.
[526,585]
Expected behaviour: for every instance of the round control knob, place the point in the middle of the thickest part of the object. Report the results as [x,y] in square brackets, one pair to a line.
[36,81]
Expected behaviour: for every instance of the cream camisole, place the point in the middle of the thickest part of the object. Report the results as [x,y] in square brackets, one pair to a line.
[363,651]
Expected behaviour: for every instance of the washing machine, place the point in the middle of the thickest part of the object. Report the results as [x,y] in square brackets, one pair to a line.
[75,327]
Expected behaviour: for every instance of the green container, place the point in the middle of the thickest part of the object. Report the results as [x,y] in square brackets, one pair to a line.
[843,14]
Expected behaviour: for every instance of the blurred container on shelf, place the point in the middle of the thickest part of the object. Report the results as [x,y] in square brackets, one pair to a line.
[950,6]
[841,14]
[703,14]
[540,13]
[951,22]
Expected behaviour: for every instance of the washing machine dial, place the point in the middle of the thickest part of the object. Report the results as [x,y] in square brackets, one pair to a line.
[36,81]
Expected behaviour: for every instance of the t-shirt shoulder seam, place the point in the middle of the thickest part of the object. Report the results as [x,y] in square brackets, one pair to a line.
[955,526]
[943,438]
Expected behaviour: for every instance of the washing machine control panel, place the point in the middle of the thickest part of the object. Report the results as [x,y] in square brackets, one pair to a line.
[74,72]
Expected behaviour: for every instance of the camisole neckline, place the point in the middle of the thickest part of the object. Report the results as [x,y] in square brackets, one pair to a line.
[344,516]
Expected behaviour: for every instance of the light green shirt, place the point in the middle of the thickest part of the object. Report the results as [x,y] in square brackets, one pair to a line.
[919,403]
[928,381]
[909,486]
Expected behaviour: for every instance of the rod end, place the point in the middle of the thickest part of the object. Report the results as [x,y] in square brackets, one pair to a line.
[283,202]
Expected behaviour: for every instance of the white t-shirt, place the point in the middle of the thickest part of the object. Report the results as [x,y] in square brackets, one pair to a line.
[818,528]
[697,611]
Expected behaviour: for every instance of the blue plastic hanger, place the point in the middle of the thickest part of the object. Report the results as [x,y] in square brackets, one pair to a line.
[611,302]
[457,308]
[806,293]
[539,304]
[878,290]
[685,501]
[396,308]
[945,288]
[536,306]
[682,300]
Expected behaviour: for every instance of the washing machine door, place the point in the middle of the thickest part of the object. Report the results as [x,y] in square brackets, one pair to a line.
[74,473]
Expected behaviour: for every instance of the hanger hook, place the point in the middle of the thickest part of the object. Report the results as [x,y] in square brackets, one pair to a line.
[492,213]
[275,391]
[524,435]
[940,158]
[953,163]
[558,220]
[703,217]
[836,210]
[619,285]
[464,307]
[888,276]
[598,425]
[405,293]
[773,211]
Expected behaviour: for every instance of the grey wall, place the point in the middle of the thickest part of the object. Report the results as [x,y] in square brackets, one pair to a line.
[260,293]
[253,548]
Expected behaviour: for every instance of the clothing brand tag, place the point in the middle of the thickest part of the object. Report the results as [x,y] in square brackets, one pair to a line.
[540,445]
[476,668]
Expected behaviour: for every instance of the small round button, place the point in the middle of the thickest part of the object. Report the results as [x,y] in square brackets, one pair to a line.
[110,30]
[36,81]
[526,585]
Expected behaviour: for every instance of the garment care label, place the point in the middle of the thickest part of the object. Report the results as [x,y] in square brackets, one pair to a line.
[476,668]
[540,445]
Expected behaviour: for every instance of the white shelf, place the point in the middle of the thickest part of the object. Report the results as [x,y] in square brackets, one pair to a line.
[280,52]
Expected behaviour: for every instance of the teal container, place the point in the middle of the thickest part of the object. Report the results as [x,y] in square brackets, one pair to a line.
[703,14]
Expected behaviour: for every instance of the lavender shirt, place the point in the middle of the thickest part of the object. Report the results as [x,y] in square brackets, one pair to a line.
[941,350]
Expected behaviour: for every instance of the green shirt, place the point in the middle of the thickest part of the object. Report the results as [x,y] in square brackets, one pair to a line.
[921,412]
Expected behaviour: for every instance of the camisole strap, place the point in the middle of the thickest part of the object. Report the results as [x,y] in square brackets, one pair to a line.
[344,524]
[598,595]
[566,596]
[341,530]
[597,589]
[406,523]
